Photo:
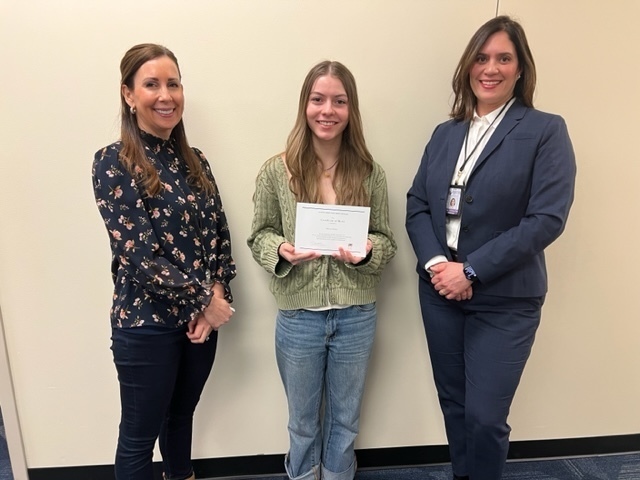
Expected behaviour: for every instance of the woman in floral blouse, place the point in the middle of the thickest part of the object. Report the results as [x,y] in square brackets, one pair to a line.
[171,265]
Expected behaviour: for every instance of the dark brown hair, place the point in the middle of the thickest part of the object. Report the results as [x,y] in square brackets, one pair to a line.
[464,99]
[132,155]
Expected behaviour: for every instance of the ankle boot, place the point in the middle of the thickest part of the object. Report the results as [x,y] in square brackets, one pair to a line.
[192,477]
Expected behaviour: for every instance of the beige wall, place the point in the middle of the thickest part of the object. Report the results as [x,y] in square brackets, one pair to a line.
[243,62]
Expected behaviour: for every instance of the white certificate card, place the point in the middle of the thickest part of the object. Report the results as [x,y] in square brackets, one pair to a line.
[324,228]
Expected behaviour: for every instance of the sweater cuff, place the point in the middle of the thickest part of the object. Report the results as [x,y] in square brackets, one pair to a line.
[275,263]
[283,266]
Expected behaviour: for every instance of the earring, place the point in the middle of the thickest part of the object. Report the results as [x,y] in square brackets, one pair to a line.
[132,110]
[518,77]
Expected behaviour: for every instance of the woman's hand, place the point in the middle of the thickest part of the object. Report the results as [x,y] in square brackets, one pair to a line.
[199,330]
[348,257]
[288,252]
[218,312]
[449,281]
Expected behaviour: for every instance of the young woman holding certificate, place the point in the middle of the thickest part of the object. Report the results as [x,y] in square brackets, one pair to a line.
[327,314]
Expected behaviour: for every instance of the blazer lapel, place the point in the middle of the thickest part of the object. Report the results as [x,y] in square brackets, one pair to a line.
[510,120]
[456,139]
[454,145]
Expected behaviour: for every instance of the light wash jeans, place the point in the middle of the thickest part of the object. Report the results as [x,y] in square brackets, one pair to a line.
[323,356]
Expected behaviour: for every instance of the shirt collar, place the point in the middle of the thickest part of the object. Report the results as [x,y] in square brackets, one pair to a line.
[155,142]
[491,116]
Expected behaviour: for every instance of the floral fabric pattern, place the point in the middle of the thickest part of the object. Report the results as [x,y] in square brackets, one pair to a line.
[167,250]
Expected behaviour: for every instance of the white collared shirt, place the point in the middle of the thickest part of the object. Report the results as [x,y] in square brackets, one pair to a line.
[477,128]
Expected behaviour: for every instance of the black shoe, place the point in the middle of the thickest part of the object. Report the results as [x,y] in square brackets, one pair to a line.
[456,477]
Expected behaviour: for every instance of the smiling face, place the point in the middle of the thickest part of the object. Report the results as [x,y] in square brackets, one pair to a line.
[157,96]
[327,110]
[495,72]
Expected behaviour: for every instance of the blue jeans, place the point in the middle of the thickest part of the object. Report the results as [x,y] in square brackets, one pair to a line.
[323,357]
[161,378]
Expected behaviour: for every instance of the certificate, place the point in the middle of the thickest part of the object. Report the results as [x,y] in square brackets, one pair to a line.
[324,228]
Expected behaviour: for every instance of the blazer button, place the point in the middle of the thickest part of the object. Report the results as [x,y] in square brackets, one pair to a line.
[468,199]
[465,229]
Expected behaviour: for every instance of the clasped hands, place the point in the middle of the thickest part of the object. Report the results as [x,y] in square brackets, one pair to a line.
[217,313]
[288,252]
[449,281]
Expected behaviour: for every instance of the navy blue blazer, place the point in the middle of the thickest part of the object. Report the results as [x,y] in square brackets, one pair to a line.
[516,200]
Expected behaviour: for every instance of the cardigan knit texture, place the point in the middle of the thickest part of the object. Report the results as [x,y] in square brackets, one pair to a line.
[324,281]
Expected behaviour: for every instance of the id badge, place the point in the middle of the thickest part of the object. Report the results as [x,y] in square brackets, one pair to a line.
[453,200]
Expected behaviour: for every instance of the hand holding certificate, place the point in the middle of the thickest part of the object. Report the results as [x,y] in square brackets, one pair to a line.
[324,229]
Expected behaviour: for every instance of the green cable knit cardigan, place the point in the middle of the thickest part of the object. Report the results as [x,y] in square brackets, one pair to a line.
[323,281]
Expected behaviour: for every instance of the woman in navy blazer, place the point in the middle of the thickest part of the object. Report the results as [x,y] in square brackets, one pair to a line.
[493,190]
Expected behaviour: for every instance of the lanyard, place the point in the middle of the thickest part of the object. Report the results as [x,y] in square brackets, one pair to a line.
[466,138]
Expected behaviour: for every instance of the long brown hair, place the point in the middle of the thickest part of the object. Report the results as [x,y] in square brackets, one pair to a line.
[465,101]
[355,163]
[133,155]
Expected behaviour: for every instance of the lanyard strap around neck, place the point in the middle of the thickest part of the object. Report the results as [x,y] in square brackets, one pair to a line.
[466,138]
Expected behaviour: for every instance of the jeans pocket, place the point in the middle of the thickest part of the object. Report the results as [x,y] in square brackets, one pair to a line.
[367,307]
[290,313]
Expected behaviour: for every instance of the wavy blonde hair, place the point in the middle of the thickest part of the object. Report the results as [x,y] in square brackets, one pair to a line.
[355,163]
[133,155]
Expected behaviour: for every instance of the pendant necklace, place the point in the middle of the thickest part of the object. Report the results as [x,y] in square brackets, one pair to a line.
[327,171]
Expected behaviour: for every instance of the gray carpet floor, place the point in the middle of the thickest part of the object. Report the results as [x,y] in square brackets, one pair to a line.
[5,464]
[605,467]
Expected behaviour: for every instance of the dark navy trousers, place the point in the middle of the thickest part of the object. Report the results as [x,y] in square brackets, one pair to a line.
[478,350]
[161,378]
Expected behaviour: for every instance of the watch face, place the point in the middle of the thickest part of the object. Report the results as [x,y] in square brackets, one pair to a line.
[469,272]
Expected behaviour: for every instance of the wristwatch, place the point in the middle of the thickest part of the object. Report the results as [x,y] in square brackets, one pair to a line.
[469,272]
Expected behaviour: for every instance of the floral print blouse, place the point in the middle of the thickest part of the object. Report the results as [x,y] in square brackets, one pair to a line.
[167,250]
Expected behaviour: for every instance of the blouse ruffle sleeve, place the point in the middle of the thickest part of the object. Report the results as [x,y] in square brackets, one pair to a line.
[221,262]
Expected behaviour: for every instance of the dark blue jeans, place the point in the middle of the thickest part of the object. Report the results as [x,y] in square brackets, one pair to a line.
[161,378]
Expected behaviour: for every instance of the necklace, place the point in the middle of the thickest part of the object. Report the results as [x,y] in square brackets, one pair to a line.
[327,171]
